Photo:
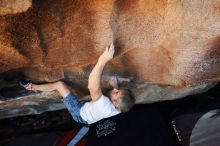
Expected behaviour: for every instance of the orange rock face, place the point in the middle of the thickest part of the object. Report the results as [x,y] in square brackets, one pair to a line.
[168,42]
[165,49]
[14,6]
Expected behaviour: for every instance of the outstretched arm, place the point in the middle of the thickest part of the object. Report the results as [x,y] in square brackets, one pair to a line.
[95,75]
[58,86]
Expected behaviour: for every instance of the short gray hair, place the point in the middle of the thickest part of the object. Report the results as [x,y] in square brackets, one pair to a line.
[126,102]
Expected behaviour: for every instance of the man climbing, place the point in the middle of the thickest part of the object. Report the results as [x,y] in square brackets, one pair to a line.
[119,100]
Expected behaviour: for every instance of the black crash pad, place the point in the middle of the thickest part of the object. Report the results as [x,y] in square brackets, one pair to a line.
[144,125]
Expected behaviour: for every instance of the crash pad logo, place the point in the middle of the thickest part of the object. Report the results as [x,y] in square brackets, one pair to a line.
[105,128]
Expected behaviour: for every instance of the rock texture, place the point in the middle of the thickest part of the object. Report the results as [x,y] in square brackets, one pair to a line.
[167,43]
[14,6]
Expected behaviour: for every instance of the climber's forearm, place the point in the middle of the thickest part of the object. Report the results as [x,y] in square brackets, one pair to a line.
[94,81]
[55,86]
[95,75]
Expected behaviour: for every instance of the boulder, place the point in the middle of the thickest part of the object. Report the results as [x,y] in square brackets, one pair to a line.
[170,44]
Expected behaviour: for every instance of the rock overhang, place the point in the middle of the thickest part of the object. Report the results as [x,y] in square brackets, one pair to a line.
[164,49]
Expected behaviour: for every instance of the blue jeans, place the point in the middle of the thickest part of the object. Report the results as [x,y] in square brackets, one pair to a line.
[74,106]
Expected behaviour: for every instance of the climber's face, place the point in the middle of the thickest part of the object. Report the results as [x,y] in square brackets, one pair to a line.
[115,95]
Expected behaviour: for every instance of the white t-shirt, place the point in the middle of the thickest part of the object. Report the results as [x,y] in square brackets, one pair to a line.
[94,111]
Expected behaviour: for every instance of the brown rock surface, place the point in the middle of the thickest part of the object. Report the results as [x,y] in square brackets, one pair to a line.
[167,42]
[14,6]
